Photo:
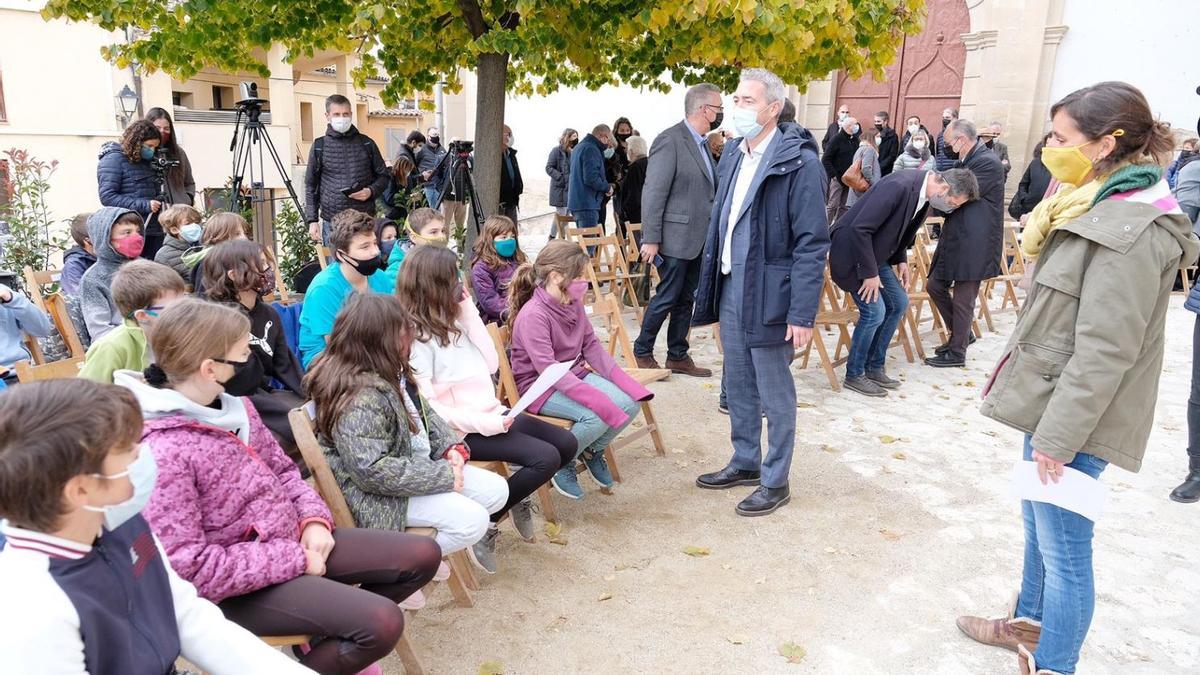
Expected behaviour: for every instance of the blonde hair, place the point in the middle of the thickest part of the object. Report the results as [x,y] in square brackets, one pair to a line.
[178,215]
[190,331]
[223,226]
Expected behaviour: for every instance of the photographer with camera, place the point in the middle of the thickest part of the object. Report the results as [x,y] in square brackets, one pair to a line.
[181,187]
[453,179]
[345,171]
[130,178]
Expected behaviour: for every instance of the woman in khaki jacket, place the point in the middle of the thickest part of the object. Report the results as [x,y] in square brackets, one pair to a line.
[1080,374]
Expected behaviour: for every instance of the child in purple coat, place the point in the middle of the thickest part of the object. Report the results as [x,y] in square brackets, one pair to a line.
[497,254]
[551,326]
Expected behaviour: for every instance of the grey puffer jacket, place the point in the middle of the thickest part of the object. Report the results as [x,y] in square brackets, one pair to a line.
[100,313]
[379,463]
[337,162]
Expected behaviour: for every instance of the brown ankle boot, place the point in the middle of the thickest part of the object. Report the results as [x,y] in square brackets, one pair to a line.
[1006,633]
[1027,665]
[686,366]
[647,362]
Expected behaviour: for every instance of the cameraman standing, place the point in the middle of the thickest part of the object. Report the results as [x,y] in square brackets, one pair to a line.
[345,171]
[127,179]
[181,187]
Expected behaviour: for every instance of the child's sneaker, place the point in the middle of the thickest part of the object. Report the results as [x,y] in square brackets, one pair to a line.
[597,468]
[565,482]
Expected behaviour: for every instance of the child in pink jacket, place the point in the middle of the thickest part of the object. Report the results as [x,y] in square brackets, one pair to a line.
[551,326]
[238,521]
[453,359]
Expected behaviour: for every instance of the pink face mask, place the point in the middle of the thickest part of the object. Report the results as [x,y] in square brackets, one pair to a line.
[131,246]
[577,289]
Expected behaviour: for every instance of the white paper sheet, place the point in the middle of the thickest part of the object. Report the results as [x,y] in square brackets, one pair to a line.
[549,377]
[1075,491]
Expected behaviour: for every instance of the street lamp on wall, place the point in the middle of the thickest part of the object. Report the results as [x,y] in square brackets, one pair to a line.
[128,101]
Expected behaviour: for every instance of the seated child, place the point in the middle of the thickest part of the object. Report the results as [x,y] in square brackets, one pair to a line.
[240,272]
[497,255]
[550,326]
[90,581]
[141,290]
[238,521]
[181,223]
[18,316]
[221,226]
[116,234]
[78,258]
[358,267]
[396,460]
[453,360]
[424,226]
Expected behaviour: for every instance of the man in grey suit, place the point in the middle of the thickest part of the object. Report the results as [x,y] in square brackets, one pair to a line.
[676,209]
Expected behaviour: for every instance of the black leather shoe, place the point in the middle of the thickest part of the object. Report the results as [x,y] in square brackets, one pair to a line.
[764,500]
[942,349]
[727,478]
[947,360]
[1189,492]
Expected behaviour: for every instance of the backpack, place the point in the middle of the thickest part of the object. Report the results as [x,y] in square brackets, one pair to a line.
[319,153]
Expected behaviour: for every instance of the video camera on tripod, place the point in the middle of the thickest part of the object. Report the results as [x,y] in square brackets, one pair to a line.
[459,181]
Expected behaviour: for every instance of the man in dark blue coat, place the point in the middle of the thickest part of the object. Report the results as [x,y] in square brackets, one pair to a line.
[588,186]
[764,267]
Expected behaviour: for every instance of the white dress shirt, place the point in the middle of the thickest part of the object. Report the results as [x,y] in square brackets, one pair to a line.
[921,198]
[741,186]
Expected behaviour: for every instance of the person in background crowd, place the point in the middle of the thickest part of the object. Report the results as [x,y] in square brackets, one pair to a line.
[635,178]
[1188,492]
[942,159]
[345,171]
[549,326]
[511,185]
[238,521]
[911,126]
[386,230]
[424,227]
[992,140]
[1080,374]
[18,317]
[413,146]
[971,244]
[398,463]
[558,167]
[127,180]
[838,156]
[843,113]
[1033,186]
[676,211]
[220,227]
[762,275]
[80,562]
[497,255]
[615,168]
[453,360]
[78,258]
[916,154]
[397,197]
[868,157]
[181,187]
[141,289]
[867,242]
[1187,189]
[889,142]
[716,144]
[117,235]
[451,177]
[588,187]
[788,113]
[1187,153]
[427,161]
[181,224]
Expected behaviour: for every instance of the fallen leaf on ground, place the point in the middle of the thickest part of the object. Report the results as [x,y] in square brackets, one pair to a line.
[802,404]
[899,455]
[830,549]
[736,639]
[696,551]
[829,448]
[610,577]
[606,596]
[888,440]
[553,625]
[890,535]
[491,668]
[554,533]
[760,580]
[637,423]
[793,652]
[726,566]
[709,386]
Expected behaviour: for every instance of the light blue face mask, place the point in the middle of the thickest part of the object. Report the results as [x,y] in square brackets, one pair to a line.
[745,122]
[609,152]
[507,248]
[147,153]
[191,232]
[142,472]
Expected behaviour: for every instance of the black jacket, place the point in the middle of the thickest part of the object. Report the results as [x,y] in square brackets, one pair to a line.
[511,185]
[270,347]
[972,239]
[1032,187]
[428,159]
[889,149]
[878,230]
[834,127]
[839,154]
[339,161]
[631,190]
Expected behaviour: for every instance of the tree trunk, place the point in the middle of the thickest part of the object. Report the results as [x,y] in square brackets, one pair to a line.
[492,76]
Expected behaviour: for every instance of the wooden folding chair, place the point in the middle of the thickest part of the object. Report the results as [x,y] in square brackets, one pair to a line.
[560,224]
[835,315]
[55,370]
[619,346]
[55,305]
[302,421]
[609,265]
[323,255]
[633,252]
[1012,269]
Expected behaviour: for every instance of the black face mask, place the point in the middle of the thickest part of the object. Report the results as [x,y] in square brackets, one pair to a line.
[878,127]
[621,138]
[990,142]
[718,118]
[366,266]
[434,140]
[247,376]
[949,151]
[574,142]
[945,122]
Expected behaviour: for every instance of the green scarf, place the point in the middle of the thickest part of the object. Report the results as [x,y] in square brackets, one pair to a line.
[1128,177]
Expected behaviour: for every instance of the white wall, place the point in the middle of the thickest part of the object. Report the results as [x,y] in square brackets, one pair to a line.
[1150,44]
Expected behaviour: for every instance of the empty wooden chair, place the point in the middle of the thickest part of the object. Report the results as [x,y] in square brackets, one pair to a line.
[55,370]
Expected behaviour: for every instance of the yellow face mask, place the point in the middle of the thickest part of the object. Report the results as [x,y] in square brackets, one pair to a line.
[1069,164]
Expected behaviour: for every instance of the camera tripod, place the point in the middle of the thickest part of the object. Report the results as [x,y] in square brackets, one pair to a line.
[248,132]
[460,167]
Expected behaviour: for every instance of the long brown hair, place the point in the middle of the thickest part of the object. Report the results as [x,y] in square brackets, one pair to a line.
[223,226]
[135,135]
[403,167]
[485,247]
[564,141]
[243,258]
[191,330]
[559,256]
[1105,108]
[371,337]
[428,288]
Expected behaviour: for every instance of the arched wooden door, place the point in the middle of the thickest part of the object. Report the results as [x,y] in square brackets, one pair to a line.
[925,78]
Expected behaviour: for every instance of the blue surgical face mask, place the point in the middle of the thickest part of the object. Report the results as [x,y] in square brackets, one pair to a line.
[147,153]
[142,473]
[191,232]
[507,248]
[745,122]
[609,152]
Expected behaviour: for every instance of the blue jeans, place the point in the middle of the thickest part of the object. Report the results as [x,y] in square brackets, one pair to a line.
[1057,584]
[431,195]
[877,322]
[589,430]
